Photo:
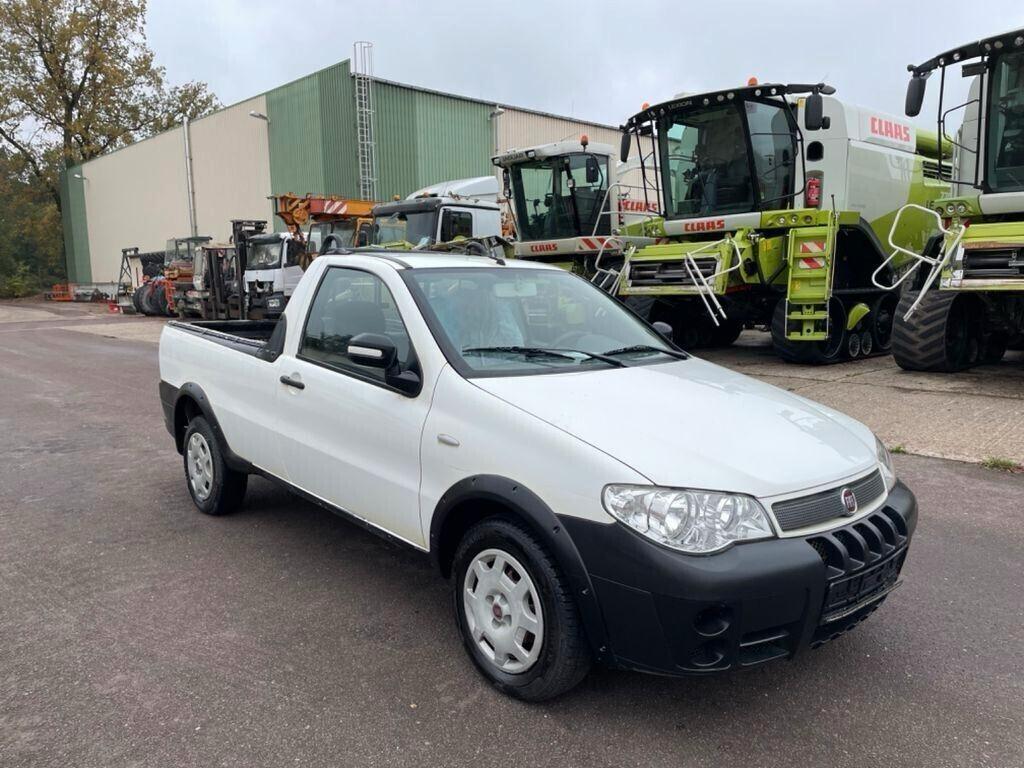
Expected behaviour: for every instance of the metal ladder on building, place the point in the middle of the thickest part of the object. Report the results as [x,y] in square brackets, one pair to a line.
[362,70]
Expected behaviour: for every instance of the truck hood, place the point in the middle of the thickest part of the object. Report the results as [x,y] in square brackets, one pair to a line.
[694,424]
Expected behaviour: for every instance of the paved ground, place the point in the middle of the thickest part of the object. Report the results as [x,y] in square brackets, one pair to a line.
[136,632]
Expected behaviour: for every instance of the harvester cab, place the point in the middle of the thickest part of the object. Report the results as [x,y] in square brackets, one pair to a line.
[567,200]
[774,203]
[962,299]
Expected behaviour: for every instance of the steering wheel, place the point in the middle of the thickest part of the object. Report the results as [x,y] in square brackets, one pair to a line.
[567,338]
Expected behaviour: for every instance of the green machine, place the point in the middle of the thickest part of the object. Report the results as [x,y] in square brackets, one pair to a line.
[962,298]
[775,203]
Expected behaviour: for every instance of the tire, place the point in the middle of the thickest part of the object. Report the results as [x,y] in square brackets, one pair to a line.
[810,352]
[137,299]
[214,487]
[726,333]
[642,306]
[882,317]
[149,299]
[535,673]
[939,336]
[993,348]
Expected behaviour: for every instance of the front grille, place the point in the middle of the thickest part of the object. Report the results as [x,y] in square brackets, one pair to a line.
[1004,262]
[818,508]
[669,272]
[862,564]
[932,170]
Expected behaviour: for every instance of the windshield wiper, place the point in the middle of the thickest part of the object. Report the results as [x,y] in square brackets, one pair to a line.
[646,348]
[565,354]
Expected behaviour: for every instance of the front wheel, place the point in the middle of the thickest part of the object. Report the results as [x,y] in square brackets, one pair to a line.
[215,488]
[516,612]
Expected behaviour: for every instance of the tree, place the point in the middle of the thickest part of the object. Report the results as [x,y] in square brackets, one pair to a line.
[77,79]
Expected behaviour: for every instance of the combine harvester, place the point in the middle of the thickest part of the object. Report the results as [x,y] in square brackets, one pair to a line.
[566,199]
[776,202]
[967,302]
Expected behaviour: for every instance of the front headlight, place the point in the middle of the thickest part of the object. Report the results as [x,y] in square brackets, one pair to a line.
[886,465]
[691,521]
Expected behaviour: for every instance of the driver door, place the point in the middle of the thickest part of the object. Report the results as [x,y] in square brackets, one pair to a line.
[348,438]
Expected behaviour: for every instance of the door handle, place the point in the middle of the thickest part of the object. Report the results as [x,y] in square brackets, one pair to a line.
[288,381]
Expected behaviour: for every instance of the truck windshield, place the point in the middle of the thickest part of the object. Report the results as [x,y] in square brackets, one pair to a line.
[727,158]
[344,230]
[416,227]
[548,209]
[504,321]
[1005,150]
[264,255]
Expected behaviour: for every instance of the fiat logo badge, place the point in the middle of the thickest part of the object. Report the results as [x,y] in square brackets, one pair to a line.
[849,501]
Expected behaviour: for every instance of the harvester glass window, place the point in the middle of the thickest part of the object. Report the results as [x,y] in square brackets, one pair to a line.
[1006,125]
[546,201]
[705,162]
[773,147]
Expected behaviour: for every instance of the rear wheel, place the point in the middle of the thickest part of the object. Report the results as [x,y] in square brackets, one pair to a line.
[215,488]
[516,612]
[824,352]
[726,333]
[941,335]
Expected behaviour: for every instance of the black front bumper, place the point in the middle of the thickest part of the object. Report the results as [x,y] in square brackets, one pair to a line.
[671,613]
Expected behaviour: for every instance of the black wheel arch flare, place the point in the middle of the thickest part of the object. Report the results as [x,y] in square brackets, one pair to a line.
[191,395]
[480,496]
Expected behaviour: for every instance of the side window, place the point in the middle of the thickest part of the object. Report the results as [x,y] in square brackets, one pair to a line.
[456,224]
[347,303]
[292,254]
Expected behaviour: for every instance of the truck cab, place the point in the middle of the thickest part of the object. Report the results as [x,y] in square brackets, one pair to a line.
[442,213]
[273,269]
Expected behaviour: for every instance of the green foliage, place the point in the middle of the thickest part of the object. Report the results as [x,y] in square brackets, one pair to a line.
[1002,465]
[897,449]
[30,233]
[77,79]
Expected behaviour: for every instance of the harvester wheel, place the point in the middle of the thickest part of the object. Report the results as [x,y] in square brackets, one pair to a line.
[939,336]
[883,312]
[642,306]
[993,348]
[726,333]
[830,350]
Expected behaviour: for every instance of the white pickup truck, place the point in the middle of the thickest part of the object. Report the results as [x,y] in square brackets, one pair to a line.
[481,411]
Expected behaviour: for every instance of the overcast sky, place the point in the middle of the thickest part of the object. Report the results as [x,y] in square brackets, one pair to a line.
[595,61]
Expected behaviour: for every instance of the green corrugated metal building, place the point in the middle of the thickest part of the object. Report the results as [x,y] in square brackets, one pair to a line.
[138,196]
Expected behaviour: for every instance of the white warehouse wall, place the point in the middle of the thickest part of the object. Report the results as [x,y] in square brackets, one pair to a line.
[137,196]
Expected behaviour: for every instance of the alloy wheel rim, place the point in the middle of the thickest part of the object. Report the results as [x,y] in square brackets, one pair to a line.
[200,466]
[503,611]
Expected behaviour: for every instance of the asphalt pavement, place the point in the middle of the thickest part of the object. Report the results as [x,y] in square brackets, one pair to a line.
[135,631]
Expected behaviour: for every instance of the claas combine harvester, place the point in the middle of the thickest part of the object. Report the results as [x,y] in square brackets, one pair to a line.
[775,201]
[963,297]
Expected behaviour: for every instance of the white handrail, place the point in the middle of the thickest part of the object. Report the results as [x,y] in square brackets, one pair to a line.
[937,263]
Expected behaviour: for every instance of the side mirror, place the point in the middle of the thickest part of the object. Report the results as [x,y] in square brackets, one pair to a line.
[664,329]
[814,112]
[624,146]
[915,95]
[372,349]
[593,170]
[378,351]
[506,183]
[363,238]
